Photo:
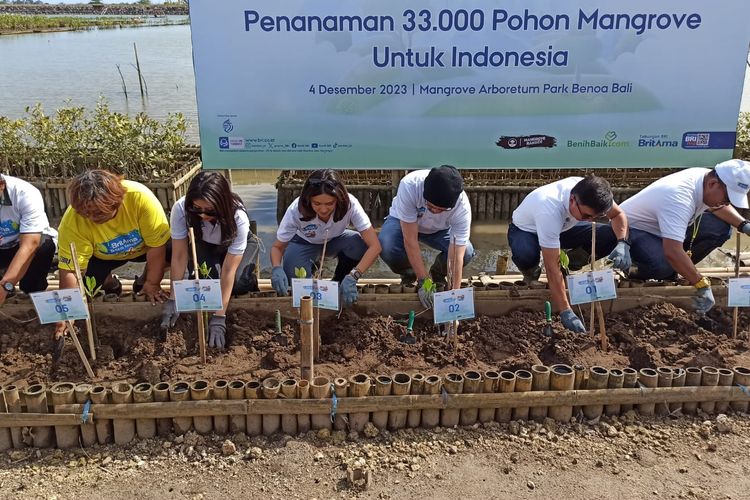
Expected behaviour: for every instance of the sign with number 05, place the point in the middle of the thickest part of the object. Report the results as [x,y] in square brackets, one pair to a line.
[198,295]
[453,305]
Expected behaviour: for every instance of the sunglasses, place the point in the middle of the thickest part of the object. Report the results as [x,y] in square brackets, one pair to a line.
[329,183]
[200,211]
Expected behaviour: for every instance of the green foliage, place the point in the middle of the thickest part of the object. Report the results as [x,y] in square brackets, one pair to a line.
[91,289]
[300,272]
[74,139]
[428,285]
[10,23]
[742,146]
[564,261]
[204,270]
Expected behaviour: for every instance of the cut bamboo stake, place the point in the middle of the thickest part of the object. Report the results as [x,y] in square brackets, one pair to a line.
[316,328]
[13,402]
[35,398]
[581,376]
[523,384]
[506,383]
[6,440]
[472,384]
[401,386]
[303,419]
[414,417]
[678,380]
[742,378]
[598,379]
[220,391]
[431,418]
[253,423]
[122,393]
[161,395]
[540,382]
[200,391]
[306,347]
[198,314]
[72,332]
[88,430]
[180,391]
[144,427]
[453,383]
[630,379]
[709,378]
[341,420]
[647,377]
[289,422]
[664,379]
[63,393]
[383,385]
[104,431]
[236,390]
[320,388]
[736,311]
[693,376]
[270,389]
[726,377]
[561,378]
[615,380]
[490,384]
[82,289]
[592,324]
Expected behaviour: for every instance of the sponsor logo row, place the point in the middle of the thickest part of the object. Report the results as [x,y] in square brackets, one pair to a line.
[610,139]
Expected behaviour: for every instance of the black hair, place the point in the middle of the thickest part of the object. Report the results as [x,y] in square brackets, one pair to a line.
[324,181]
[213,188]
[594,192]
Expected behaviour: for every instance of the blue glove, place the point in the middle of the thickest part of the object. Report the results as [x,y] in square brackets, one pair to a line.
[744,227]
[571,321]
[704,300]
[279,282]
[349,289]
[425,297]
[169,314]
[620,256]
[217,330]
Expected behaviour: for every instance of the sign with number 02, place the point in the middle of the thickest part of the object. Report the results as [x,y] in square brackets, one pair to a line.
[454,305]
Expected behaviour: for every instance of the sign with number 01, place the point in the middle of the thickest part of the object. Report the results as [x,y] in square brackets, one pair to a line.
[198,295]
[454,305]
[325,293]
[60,305]
[739,292]
[592,287]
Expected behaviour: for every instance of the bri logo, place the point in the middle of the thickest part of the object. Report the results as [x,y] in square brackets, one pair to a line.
[9,228]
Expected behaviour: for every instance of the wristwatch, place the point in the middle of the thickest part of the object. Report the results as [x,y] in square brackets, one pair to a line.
[703,283]
[356,273]
[8,286]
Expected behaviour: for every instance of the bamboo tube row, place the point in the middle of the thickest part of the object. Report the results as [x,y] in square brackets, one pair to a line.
[121,413]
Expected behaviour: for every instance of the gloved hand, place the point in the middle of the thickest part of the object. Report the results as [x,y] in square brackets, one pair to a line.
[279,282]
[744,227]
[217,330]
[349,290]
[425,296]
[571,321]
[169,314]
[620,256]
[704,300]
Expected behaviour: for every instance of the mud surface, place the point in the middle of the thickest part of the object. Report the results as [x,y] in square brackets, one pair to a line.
[131,350]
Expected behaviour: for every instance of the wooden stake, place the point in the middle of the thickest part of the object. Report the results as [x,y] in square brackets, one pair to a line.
[306,344]
[736,311]
[316,326]
[592,323]
[198,314]
[72,332]
[81,287]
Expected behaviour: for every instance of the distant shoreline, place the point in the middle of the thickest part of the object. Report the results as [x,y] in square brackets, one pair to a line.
[100,10]
[31,31]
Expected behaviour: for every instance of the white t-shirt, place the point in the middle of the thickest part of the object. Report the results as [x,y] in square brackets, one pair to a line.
[21,212]
[545,212]
[409,205]
[211,231]
[668,206]
[315,231]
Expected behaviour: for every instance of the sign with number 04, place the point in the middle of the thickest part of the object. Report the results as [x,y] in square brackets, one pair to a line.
[454,305]
[198,295]
[60,305]
[592,287]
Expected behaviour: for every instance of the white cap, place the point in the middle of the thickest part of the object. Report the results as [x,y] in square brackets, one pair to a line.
[736,175]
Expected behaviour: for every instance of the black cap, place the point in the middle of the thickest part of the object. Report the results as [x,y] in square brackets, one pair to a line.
[442,186]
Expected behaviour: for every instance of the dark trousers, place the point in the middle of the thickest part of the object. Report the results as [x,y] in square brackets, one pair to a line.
[35,279]
[213,256]
[101,269]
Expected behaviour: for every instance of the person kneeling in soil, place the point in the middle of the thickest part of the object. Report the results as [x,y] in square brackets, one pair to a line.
[224,244]
[430,207]
[27,243]
[321,215]
[557,216]
[676,221]
[112,221]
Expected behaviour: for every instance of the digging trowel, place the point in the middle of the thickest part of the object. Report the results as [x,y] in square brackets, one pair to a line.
[547,332]
[409,337]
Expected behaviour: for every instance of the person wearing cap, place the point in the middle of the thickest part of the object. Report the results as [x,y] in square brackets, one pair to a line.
[559,215]
[430,207]
[27,242]
[676,221]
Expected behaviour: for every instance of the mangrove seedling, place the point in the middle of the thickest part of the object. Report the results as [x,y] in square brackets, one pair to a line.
[300,273]
[564,262]
[92,290]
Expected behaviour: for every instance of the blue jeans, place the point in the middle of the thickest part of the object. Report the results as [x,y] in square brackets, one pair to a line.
[525,249]
[647,250]
[393,251]
[347,248]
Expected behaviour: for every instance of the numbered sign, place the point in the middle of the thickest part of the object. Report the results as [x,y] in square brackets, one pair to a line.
[739,292]
[325,293]
[453,305]
[60,305]
[592,287]
[198,295]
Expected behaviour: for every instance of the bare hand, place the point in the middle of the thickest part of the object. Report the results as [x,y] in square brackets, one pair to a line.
[153,292]
[3,294]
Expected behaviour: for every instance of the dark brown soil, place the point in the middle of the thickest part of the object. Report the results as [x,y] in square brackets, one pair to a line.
[660,335]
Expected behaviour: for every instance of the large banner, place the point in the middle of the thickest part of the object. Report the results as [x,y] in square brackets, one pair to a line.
[476,84]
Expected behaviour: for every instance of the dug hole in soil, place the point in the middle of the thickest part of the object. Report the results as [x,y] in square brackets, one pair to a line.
[658,335]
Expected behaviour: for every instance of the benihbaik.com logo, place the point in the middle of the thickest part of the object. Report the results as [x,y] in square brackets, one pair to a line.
[608,141]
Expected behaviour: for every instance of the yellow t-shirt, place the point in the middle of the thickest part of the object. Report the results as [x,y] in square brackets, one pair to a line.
[140,223]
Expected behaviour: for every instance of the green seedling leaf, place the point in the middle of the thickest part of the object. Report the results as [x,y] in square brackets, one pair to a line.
[91,289]
[300,272]
[564,260]
[204,271]
[428,285]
